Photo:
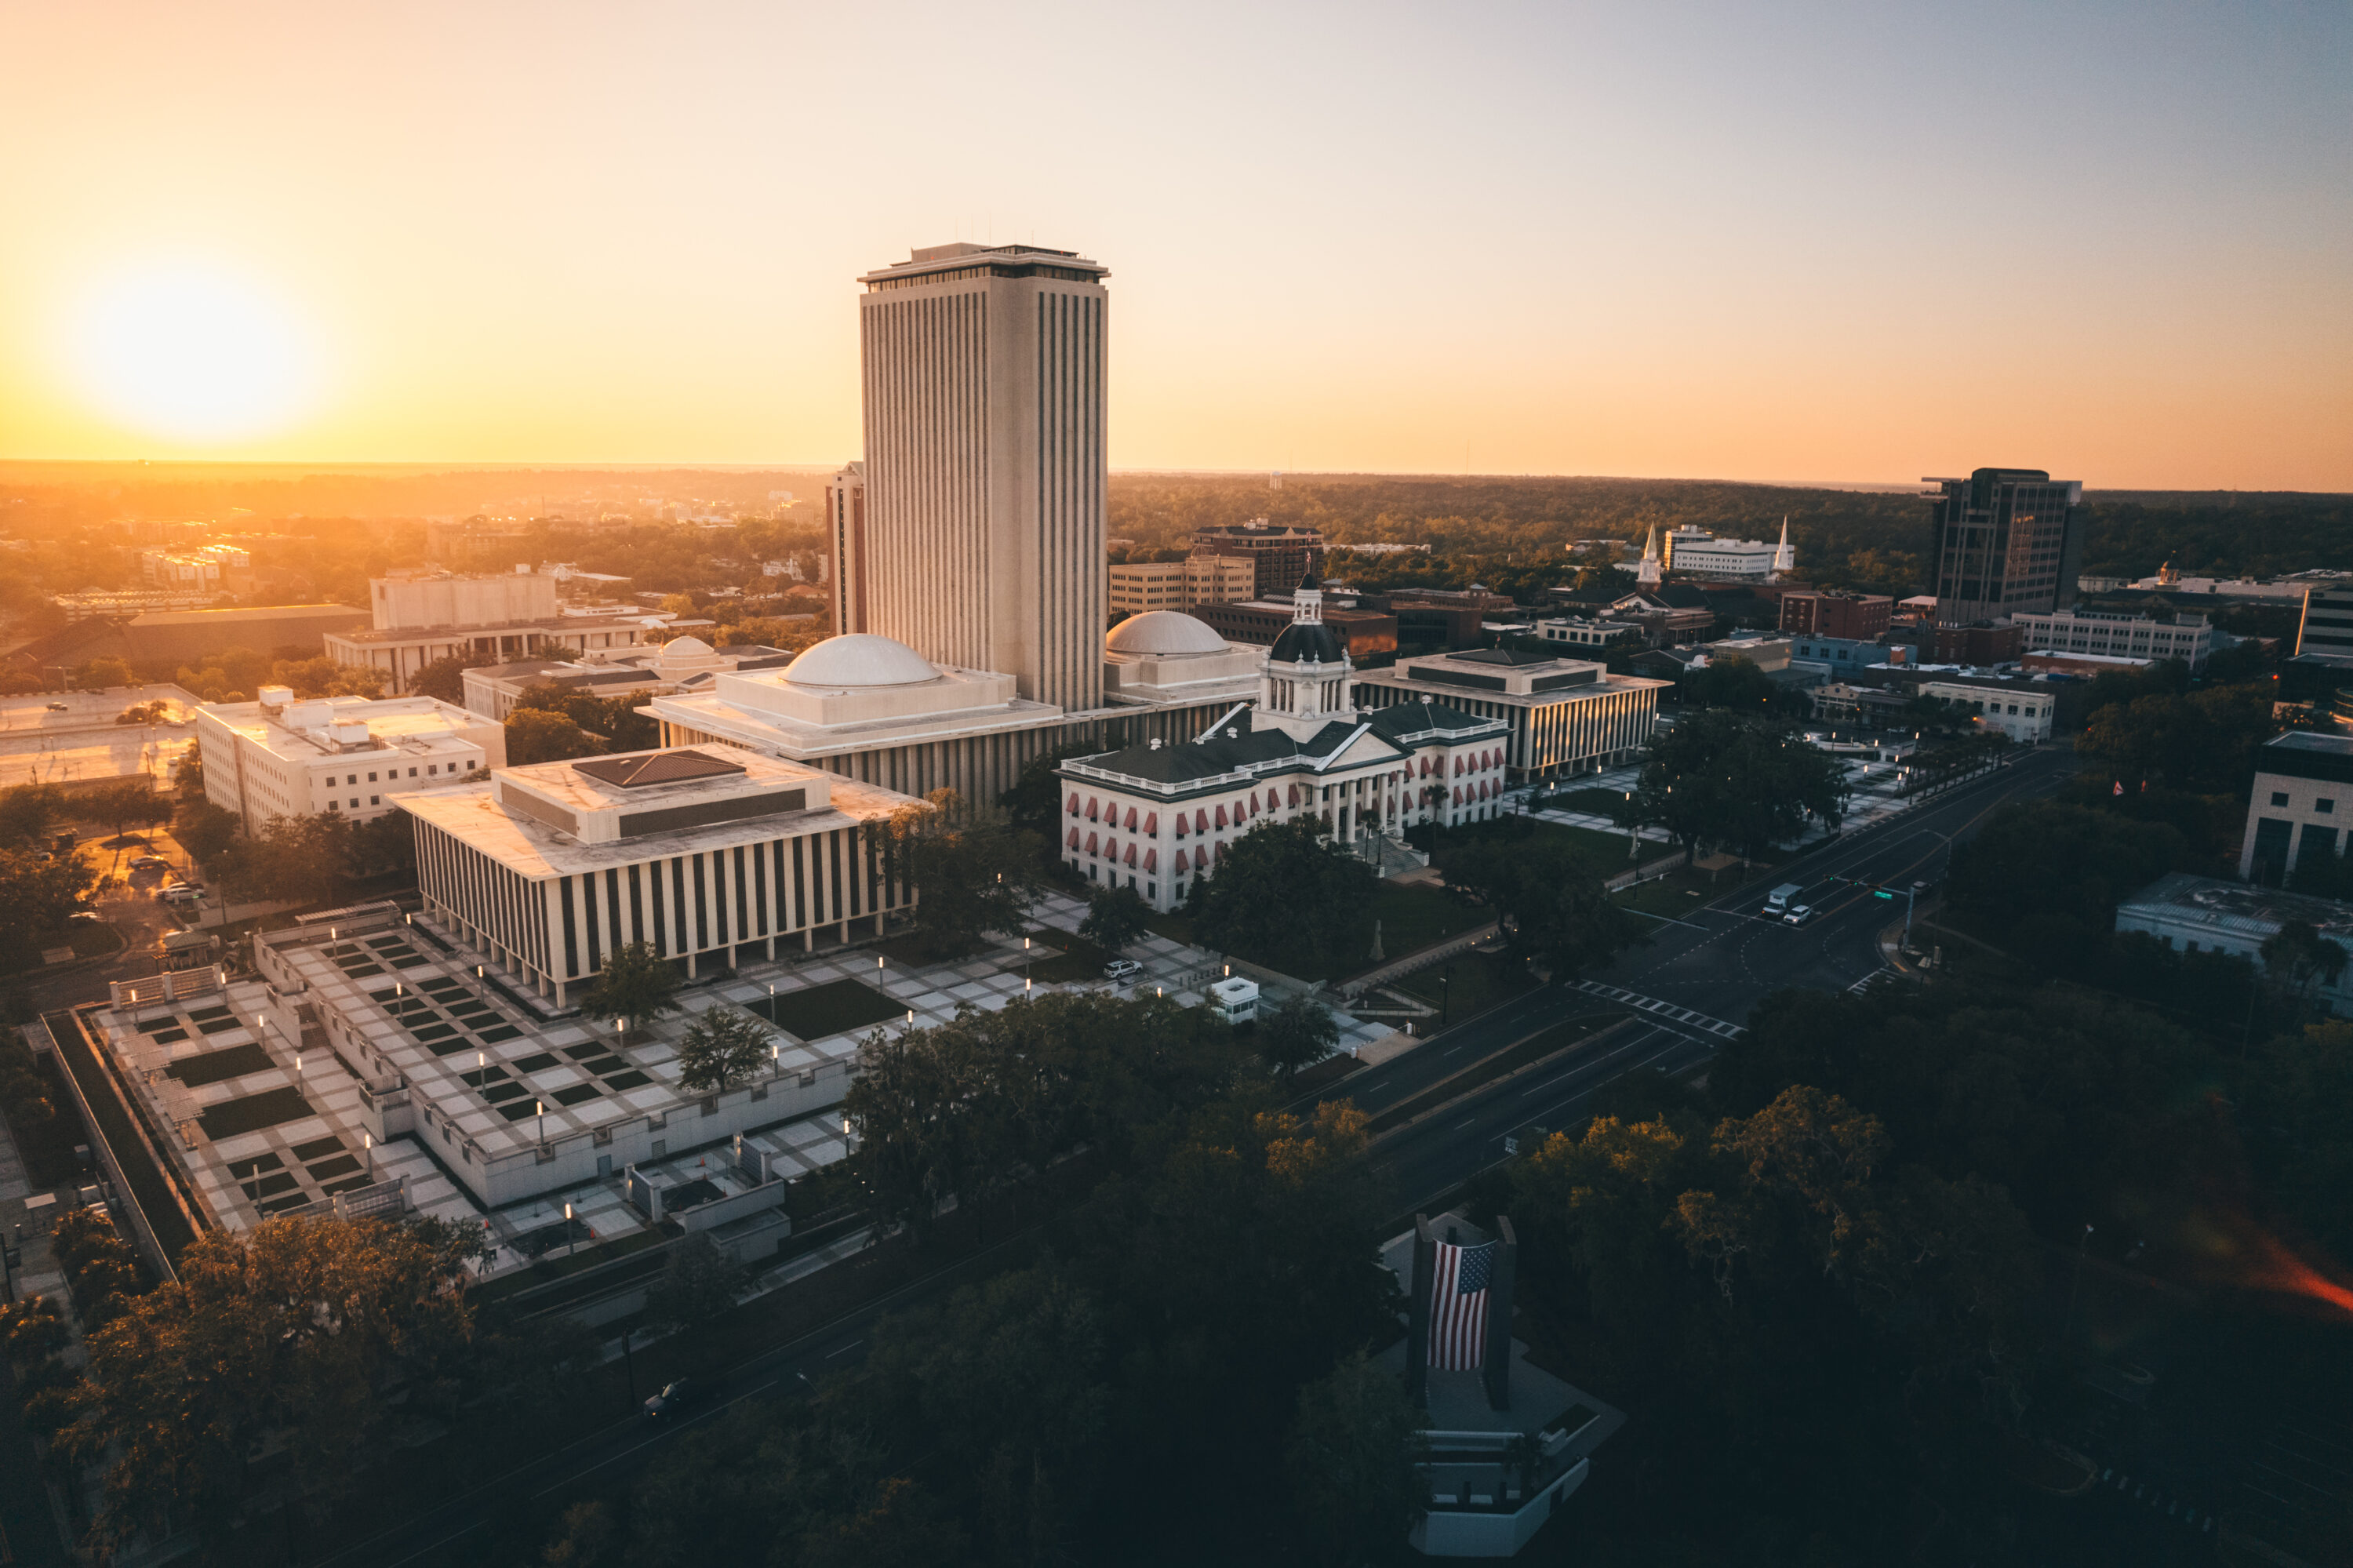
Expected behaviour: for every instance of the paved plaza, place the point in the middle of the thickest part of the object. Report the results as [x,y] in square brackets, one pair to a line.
[263,1128]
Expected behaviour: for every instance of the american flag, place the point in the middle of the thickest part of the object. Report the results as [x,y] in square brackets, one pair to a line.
[1458,1306]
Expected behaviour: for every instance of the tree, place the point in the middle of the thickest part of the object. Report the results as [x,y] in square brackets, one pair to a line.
[587,1533]
[205,830]
[123,803]
[292,1330]
[1737,780]
[2300,957]
[1727,681]
[1115,918]
[723,1046]
[384,846]
[36,897]
[2203,740]
[188,773]
[100,673]
[28,813]
[534,734]
[1546,893]
[969,872]
[444,679]
[1034,803]
[1286,895]
[1299,1034]
[292,859]
[1351,1457]
[2045,878]
[635,986]
[697,1284]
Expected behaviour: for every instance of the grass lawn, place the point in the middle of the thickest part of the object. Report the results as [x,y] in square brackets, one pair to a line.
[1600,802]
[834,1008]
[1414,915]
[91,938]
[1679,892]
[251,1112]
[1479,981]
[1078,961]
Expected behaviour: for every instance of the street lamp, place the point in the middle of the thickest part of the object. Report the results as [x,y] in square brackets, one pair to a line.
[367,1141]
[540,1110]
[568,1228]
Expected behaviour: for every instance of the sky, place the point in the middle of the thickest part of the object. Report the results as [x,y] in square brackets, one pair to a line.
[1792,242]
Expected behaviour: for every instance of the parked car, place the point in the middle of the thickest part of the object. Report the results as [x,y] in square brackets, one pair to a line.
[57,707]
[1799,916]
[91,916]
[1119,972]
[675,1396]
[151,863]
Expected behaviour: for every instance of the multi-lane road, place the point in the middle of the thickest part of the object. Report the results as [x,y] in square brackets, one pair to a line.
[1708,967]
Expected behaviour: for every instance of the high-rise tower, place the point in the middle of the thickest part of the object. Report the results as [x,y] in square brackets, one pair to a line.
[2004,540]
[844,534]
[985,488]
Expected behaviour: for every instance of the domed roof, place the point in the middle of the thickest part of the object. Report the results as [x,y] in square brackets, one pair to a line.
[860,659]
[1163,631]
[1308,641]
[685,647]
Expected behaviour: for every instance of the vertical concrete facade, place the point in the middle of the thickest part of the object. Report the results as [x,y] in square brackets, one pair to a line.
[987,485]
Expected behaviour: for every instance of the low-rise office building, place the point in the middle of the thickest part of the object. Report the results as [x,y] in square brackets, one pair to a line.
[2188,638]
[1839,655]
[1138,588]
[490,618]
[1567,717]
[2203,914]
[2327,629]
[1880,707]
[1279,554]
[1367,633]
[1578,632]
[704,853]
[346,756]
[2301,803]
[1835,614]
[2025,711]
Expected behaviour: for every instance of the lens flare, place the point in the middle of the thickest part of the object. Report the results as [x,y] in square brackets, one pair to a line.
[192,354]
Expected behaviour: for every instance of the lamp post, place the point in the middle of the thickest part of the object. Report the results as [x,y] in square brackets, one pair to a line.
[568,1228]
[367,1141]
[540,1110]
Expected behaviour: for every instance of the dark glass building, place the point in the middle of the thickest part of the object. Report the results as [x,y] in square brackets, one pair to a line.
[2004,540]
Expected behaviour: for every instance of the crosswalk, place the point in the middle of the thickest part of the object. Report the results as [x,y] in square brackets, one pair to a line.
[1664,1010]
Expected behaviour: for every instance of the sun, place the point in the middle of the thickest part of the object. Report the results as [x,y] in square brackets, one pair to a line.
[194,354]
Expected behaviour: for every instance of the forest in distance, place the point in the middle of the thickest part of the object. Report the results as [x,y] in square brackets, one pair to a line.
[1865,538]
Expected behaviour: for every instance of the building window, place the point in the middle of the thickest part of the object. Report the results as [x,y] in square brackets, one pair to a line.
[431,767]
[375,800]
[331,806]
[2324,807]
[371,778]
[2279,796]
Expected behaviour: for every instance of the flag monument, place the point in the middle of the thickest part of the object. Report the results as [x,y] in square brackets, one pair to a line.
[1461,1308]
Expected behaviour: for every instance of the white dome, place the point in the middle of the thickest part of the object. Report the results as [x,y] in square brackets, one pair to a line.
[1163,631]
[686,647]
[860,659]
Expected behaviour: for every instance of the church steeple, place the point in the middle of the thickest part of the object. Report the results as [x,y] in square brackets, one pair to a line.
[1784,557]
[1647,573]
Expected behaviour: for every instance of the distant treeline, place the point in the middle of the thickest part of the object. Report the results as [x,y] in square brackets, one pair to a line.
[1486,526]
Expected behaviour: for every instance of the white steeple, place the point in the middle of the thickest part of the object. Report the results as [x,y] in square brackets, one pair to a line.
[1784,554]
[1647,573]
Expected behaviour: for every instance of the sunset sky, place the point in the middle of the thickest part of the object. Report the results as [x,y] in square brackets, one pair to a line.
[1861,242]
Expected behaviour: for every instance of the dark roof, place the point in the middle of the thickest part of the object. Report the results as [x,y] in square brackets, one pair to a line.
[2300,754]
[1513,657]
[1680,596]
[1307,641]
[656,767]
[1415,718]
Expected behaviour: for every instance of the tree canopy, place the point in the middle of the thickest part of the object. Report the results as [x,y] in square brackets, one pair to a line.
[970,872]
[1744,782]
[1287,897]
